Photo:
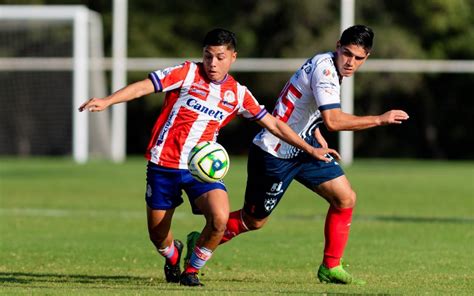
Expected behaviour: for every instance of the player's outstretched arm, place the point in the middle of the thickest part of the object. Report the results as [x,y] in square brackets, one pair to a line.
[128,93]
[336,120]
[284,132]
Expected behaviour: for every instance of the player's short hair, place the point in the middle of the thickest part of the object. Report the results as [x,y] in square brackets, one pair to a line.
[219,37]
[358,35]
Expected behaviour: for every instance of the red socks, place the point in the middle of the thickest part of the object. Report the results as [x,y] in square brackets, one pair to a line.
[336,234]
[235,226]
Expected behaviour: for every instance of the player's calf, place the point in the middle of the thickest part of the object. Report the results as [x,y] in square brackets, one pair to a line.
[235,226]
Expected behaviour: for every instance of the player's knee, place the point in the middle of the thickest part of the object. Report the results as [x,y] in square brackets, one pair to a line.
[348,201]
[218,222]
[351,200]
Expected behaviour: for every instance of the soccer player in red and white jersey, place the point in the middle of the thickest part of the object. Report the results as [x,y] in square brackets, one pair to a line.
[311,97]
[200,99]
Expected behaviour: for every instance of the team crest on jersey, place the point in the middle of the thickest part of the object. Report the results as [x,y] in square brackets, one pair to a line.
[229,101]
[229,98]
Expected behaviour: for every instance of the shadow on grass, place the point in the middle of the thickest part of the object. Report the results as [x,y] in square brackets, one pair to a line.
[29,278]
[51,280]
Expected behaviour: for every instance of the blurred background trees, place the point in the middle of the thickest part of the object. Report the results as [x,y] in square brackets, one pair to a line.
[440,105]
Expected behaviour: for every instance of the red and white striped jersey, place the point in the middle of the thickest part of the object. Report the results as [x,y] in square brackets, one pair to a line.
[315,87]
[194,110]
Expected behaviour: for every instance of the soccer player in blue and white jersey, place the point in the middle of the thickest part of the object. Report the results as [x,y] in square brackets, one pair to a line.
[310,98]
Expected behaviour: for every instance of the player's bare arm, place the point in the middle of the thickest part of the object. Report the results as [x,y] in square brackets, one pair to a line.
[284,132]
[128,93]
[336,120]
[319,137]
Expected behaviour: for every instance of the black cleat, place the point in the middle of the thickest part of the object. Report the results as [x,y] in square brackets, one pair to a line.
[190,279]
[173,272]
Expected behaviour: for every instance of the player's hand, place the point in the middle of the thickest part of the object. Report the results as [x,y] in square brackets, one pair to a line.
[94,105]
[393,117]
[325,154]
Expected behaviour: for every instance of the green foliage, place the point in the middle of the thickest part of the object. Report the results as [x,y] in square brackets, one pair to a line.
[283,29]
[439,25]
[286,29]
[70,229]
[422,29]
[443,17]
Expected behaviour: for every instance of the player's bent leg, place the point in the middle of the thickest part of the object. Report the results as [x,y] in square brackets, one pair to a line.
[268,177]
[215,207]
[253,223]
[338,192]
[159,222]
[342,198]
[239,222]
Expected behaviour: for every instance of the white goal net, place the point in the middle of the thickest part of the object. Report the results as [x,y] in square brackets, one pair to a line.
[50,58]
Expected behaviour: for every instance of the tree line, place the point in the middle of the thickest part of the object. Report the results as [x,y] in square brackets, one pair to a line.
[439,104]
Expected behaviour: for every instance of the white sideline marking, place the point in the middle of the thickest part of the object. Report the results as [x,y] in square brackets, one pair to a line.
[44,212]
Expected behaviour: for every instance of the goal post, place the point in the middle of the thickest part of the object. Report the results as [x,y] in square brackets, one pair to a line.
[81,63]
[346,138]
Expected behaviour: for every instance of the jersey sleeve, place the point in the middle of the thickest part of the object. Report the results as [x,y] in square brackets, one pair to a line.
[169,78]
[250,108]
[325,86]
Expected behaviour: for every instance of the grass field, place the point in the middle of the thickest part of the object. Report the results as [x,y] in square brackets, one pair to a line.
[71,229]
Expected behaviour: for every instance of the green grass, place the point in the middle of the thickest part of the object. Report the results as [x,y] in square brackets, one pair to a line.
[69,229]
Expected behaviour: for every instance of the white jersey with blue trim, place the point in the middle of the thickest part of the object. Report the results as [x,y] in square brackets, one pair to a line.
[315,87]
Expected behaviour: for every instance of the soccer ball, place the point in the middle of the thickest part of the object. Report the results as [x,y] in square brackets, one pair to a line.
[208,162]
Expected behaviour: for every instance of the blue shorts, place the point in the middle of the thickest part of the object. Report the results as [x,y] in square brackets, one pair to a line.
[164,187]
[268,177]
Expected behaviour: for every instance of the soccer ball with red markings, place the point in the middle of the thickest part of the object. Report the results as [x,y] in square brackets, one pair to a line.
[208,162]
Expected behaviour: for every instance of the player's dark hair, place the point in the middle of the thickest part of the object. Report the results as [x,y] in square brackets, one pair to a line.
[358,35]
[219,37]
